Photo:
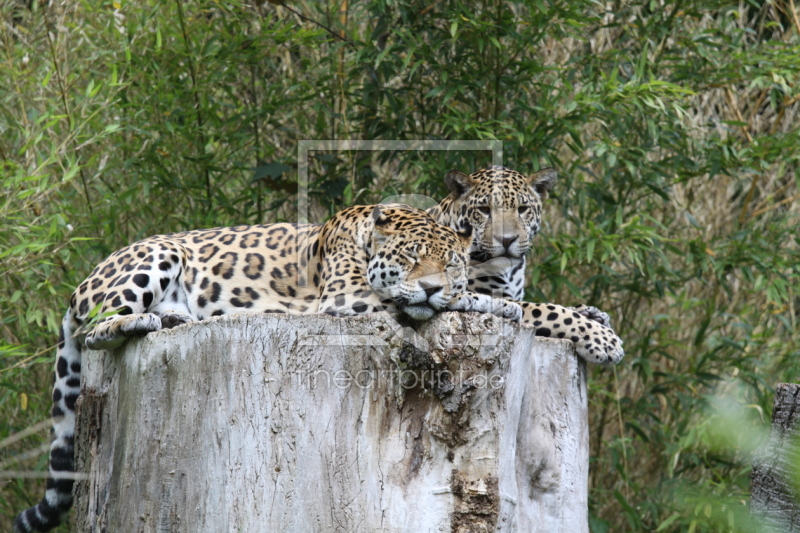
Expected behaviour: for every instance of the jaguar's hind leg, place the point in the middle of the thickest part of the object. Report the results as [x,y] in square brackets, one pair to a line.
[115,330]
[172,318]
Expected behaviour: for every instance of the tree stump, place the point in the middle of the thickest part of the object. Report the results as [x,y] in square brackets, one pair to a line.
[774,494]
[264,423]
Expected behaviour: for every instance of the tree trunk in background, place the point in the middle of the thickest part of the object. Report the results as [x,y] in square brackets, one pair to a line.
[259,423]
[776,472]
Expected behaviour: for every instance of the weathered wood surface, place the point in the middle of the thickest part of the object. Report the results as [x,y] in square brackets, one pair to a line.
[317,424]
[774,498]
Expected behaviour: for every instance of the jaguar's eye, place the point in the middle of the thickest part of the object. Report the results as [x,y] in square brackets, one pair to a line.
[411,253]
[522,209]
[485,209]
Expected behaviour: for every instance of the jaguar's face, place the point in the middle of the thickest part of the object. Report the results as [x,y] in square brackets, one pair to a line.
[417,263]
[503,206]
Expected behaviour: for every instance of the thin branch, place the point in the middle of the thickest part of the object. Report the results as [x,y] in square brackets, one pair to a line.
[794,16]
[23,474]
[773,206]
[751,191]
[193,74]
[36,452]
[63,92]
[428,9]
[667,27]
[735,108]
[622,434]
[323,26]
[16,437]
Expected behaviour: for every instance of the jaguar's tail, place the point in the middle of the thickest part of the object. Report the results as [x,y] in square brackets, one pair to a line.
[57,500]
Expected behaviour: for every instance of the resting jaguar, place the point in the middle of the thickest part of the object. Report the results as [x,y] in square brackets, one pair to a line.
[504,208]
[365,259]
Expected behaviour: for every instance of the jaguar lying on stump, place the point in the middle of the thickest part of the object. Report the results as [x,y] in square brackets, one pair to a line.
[364,259]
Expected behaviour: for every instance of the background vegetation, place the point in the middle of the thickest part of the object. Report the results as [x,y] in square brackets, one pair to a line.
[673,126]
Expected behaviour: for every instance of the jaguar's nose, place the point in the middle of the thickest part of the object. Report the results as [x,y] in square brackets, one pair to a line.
[431,291]
[430,288]
[508,241]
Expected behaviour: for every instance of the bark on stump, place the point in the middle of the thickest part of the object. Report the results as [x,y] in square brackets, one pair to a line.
[259,423]
[774,495]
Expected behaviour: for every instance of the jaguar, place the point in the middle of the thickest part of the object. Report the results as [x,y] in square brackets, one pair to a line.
[503,208]
[364,259]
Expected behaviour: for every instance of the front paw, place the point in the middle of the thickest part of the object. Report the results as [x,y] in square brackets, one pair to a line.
[594,314]
[462,302]
[600,346]
[482,303]
[510,310]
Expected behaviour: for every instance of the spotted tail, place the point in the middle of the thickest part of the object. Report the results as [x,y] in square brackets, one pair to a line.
[57,500]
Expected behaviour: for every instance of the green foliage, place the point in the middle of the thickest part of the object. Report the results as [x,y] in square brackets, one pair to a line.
[673,127]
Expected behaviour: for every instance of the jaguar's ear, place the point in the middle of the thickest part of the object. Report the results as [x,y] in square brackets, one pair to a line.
[465,234]
[543,181]
[383,228]
[458,183]
[379,217]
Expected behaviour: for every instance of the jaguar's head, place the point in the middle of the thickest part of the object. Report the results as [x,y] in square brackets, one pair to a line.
[503,206]
[416,263]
